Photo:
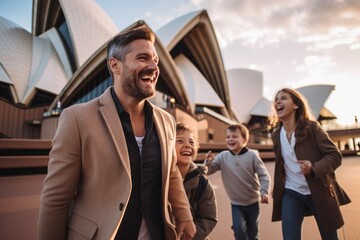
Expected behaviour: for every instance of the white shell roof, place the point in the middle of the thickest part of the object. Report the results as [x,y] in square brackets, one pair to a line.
[171,33]
[199,90]
[262,108]
[327,114]
[245,86]
[49,74]
[196,32]
[3,75]
[316,96]
[29,63]
[54,37]
[89,26]
[15,57]
[43,60]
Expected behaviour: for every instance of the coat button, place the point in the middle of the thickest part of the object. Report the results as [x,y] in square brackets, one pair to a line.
[121,206]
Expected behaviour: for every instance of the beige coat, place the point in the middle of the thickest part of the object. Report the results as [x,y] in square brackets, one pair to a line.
[325,159]
[88,184]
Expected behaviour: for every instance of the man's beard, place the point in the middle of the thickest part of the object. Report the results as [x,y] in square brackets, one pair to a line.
[130,87]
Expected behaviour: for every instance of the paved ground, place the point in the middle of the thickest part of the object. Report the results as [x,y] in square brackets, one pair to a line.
[348,176]
[19,201]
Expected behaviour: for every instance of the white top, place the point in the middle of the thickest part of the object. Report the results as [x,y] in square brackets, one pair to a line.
[144,231]
[294,179]
[139,142]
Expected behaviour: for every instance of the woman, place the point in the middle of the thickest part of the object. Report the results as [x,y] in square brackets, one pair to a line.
[200,193]
[305,161]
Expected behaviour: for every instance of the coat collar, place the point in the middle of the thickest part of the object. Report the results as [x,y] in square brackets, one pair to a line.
[109,113]
[164,142]
[113,123]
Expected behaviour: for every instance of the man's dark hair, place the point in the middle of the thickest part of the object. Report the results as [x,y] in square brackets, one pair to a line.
[118,47]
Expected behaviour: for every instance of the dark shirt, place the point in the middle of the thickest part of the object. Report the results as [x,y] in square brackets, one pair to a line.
[146,175]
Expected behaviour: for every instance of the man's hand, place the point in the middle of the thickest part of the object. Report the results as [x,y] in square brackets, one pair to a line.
[185,230]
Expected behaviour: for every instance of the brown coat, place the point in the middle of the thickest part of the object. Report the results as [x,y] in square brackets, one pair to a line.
[88,184]
[325,158]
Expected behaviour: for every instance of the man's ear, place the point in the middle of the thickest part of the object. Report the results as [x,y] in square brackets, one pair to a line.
[115,66]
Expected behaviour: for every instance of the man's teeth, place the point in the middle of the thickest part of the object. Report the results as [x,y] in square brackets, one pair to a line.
[148,78]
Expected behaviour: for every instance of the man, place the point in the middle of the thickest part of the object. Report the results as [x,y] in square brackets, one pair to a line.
[112,172]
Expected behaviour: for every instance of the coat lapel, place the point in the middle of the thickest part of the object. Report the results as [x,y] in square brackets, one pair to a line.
[160,128]
[113,123]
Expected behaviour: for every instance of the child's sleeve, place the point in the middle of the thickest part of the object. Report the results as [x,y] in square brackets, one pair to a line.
[263,174]
[214,165]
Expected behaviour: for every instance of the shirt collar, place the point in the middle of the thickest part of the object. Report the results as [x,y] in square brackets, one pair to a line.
[243,151]
[148,107]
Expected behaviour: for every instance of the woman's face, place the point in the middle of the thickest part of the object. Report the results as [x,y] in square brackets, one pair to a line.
[284,105]
[185,148]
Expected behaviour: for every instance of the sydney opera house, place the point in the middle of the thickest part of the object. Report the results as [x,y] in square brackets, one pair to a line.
[63,62]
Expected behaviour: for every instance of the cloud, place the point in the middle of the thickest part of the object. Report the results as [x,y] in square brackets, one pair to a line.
[316,65]
[336,36]
[321,24]
[355,46]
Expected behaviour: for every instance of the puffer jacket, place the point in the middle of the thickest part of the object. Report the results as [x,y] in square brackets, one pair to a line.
[203,209]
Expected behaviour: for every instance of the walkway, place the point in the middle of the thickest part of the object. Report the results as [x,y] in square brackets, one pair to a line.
[348,176]
[19,201]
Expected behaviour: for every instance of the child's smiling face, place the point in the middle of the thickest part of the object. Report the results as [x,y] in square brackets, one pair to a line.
[185,148]
[234,141]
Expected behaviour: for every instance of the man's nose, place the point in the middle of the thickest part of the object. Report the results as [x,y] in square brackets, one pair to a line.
[153,65]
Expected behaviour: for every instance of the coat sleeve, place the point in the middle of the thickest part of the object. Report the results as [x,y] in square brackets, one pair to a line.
[215,165]
[61,181]
[331,157]
[177,196]
[206,215]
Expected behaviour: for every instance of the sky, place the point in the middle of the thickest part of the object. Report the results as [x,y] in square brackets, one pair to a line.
[294,43]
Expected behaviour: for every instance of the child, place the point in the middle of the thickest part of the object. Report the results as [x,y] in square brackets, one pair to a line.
[305,161]
[200,193]
[241,169]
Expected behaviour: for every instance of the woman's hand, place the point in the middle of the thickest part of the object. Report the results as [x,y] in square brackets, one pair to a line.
[305,166]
